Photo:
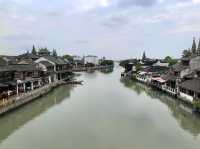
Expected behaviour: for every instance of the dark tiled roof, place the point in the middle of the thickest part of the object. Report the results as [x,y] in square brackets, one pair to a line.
[91,56]
[189,58]
[149,62]
[193,85]
[179,67]
[9,59]
[169,76]
[18,68]
[157,69]
[28,56]
[46,63]
[56,60]
[190,75]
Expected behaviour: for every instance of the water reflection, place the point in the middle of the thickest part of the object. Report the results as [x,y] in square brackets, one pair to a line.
[16,119]
[107,71]
[181,112]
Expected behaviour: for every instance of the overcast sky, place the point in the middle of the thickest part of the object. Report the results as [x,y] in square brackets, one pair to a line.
[112,28]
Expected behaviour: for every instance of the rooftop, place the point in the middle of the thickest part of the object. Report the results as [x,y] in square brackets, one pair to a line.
[19,68]
[46,63]
[193,84]
[56,60]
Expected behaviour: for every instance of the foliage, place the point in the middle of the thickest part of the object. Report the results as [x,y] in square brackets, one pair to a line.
[186,53]
[89,65]
[54,53]
[125,62]
[107,62]
[194,47]
[68,57]
[34,52]
[144,56]
[198,49]
[170,60]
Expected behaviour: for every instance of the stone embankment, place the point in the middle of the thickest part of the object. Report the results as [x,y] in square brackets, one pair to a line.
[16,101]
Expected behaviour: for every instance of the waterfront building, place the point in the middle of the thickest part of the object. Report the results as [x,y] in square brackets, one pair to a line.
[27,57]
[144,77]
[61,68]
[7,60]
[91,59]
[78,61]
[19,78]
[190,90]
[161,64]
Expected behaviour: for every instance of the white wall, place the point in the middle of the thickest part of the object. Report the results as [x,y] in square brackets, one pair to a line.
[186,97]
[91,59]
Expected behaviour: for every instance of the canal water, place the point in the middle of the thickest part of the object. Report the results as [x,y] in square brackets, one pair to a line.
[104,113]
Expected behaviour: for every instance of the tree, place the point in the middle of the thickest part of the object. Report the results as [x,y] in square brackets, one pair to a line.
[34,52]
[68,57]
[186,53]
[194,47]
[167,59]
[198,49]
[144,56]
[107,63]
[54,53]
[170,60]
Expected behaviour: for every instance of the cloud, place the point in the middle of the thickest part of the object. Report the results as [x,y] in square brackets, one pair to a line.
[141,3]
[115,21]
[125,26]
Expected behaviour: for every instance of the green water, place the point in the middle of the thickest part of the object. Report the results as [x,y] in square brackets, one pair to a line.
[104,113]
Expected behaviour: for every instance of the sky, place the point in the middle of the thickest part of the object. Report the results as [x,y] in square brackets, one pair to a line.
[116,29]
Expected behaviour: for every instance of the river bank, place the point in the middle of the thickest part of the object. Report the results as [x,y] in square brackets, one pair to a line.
[92,115]
[162,88]
[83,69]
[17,101]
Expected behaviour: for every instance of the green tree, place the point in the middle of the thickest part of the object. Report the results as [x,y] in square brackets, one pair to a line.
[34,52]
[124,62]
[144,56]
[186,53]
[107,63]
[54,53]
[194,47]
[170,60]
[198,49]
[167,59]
[68,57]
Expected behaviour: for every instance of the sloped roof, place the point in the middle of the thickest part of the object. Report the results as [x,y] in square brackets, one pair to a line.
[9,59]
[28,56]
[56,60]
[179,67]
[156,69]
[169,77]
[193,84]
[19,68]
[46,63]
